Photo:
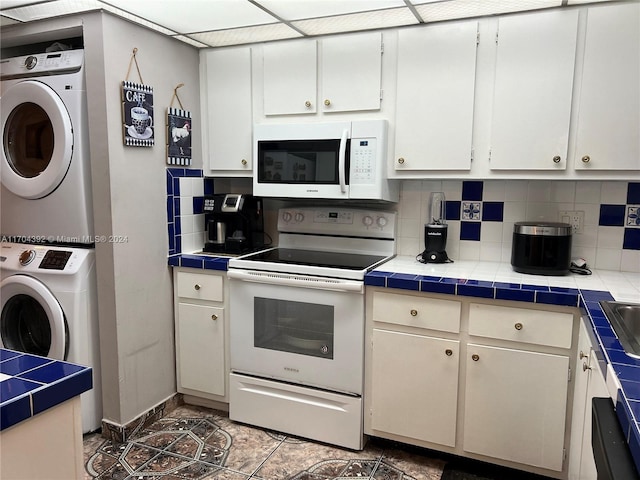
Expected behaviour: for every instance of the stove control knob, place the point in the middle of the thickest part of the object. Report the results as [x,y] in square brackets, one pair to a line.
[299,217]
[367,220]
[382,222]
[27,257]
[286,216]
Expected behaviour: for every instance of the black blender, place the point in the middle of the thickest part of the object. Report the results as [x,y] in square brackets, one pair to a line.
[435,231]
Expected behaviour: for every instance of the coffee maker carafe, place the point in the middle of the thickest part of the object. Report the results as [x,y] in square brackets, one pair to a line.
[234,223]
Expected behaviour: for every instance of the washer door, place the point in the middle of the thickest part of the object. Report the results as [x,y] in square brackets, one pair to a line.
[37,139]
[32,320]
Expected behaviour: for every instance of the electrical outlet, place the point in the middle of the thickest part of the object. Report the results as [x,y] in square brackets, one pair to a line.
[573,218]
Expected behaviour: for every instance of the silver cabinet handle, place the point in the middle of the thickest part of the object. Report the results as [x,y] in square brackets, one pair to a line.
[475,357]
[518,326]
[586,159]
[414,313]
[196,286]
[214,317]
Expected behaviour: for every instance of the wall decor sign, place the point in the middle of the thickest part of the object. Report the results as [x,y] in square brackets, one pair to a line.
[137,114]
[179,125]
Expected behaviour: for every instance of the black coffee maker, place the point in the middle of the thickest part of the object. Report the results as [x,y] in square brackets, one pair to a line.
[234,223]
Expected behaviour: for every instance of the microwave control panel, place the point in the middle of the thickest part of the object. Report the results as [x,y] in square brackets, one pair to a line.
[363,160]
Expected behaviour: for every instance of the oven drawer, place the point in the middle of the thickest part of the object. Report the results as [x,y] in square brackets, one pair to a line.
[417,311]
[553,329]
[317,414]
[200,286]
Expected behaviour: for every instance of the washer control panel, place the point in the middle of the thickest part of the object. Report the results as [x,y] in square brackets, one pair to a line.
[53,63]
[24,258]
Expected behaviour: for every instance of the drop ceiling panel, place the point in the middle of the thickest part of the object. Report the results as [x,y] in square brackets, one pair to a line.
[238,36]
[394,17]
[299,10]
[188,16]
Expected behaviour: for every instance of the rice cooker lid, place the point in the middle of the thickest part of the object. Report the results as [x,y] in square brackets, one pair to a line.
[543,229]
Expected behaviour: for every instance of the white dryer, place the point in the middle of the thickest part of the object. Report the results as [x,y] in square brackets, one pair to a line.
[44,162]
[49,308]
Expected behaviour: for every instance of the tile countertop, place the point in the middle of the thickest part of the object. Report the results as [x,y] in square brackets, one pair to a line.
[493,280]
[499,281]
[30,385]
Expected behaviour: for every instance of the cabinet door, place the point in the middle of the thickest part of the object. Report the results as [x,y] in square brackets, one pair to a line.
[351,72]
[515,405]
[290,76]
[436,79]
[228,117]
[608,131]
[200,349]
[532,92]
[415,386]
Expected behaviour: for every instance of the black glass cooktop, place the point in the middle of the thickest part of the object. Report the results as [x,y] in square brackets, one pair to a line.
[348,261]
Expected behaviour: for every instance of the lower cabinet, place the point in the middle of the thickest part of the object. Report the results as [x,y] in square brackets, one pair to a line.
[201,332]
[415,381]
[488,380]
[515,405]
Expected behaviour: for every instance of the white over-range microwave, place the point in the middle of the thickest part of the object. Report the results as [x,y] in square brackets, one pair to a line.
[338,160]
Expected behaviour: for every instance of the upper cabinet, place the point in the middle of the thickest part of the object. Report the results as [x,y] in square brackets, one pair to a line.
[608,120]
[435,96]
[227,110]
[534,74]
[290,77]
[349,68]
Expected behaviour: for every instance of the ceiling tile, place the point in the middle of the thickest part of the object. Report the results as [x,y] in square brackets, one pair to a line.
[452,9]
[237,36]
[394,17]
[37,11]
[305,9]
[187,16]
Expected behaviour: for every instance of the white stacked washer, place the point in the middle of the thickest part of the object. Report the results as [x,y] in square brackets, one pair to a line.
[48,293]
[48,303]
[44,162]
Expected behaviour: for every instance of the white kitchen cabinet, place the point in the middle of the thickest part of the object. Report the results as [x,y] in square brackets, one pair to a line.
[515,405]
[589,383]
[201,332]
[290,77]
[415,386]
[351,72]
[435,97]
[346,68]
[608,121]
[489,380]
[227,111]
[406,360]
[534,74]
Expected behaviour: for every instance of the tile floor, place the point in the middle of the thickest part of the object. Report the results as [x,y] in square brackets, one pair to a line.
[198,443]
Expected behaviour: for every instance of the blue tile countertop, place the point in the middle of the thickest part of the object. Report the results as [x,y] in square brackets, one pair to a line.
[30,385]
[201,261]
[499,281]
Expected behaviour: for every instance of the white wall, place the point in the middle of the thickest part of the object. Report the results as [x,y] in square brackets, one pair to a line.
[129,183]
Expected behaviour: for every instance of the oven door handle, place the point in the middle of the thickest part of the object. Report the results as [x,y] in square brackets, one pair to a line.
[342,160]
[288,280]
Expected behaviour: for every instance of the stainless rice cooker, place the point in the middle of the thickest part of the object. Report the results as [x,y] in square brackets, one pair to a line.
[541,248]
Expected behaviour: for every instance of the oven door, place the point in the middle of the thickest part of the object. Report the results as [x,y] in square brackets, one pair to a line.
[305,330]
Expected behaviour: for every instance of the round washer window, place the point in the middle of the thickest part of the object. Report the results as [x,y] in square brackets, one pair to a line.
[28,140]
[25,326]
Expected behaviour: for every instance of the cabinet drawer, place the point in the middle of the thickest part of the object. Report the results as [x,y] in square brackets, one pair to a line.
[553,329]
[416,311]
[200,287]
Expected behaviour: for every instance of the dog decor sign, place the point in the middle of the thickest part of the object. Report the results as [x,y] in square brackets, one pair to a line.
[179,123]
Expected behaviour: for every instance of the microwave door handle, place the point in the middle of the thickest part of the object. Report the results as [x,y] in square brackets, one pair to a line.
[342,157]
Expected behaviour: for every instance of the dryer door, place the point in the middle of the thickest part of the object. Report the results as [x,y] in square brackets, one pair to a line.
[32,320]
[37,139]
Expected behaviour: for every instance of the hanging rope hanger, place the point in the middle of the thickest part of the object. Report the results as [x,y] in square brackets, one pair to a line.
[176,97]
[133,59]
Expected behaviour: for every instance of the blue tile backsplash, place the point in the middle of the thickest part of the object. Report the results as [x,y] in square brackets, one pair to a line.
[481,215]
[185,216]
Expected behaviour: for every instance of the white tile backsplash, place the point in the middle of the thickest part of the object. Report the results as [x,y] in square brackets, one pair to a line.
[524,200]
